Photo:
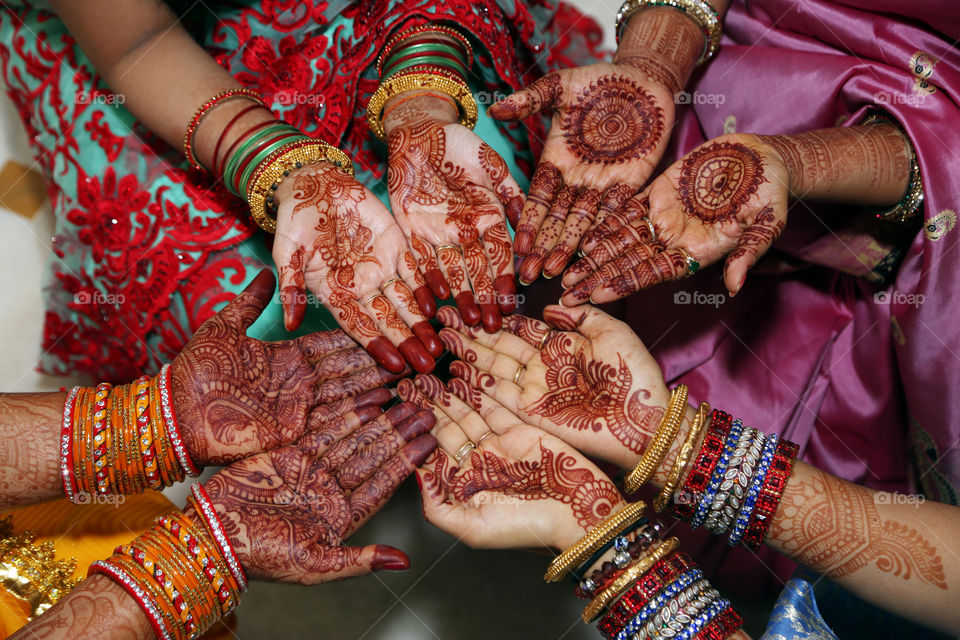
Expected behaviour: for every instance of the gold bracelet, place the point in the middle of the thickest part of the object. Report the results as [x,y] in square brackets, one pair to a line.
[662,500]
[700,11]
[661,441]
[593,540]
[907,209]
[397,84]
[635,572]
[299,156]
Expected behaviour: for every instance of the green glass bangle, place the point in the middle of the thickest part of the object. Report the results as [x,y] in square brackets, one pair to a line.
[244,148]
[262,155]
[426,49]
[428,60]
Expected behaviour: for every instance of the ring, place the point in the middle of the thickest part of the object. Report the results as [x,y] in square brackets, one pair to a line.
[653,232]
[484,437]
[467,447]
[520,370]
[389,282]
[692,265]
[441,247]
[543,341]
[379,294]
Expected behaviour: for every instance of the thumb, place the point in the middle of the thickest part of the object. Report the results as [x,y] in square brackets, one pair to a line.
[243,311]
[291,284]
[543,93]
[336,563]
[753,242]
[585,319]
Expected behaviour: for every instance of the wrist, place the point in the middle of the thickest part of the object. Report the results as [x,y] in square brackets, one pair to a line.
[663,42]
[417,106]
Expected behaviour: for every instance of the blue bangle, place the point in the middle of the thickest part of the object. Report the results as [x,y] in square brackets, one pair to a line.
[750,499]
[658,602]
[707,499]
[697,624]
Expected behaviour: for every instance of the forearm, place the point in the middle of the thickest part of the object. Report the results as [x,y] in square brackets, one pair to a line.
[29,447]
[98,608]
[867,165]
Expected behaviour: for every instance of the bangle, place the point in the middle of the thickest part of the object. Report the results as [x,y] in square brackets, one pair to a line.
[408,80]
[66,434]
[746,510]
[424,30]
[204,109]
[223,134]
[577,575]
[769,499]
[661,441]
[598,604]
[170,419]
[706,461]
[909,207]
[228,154]
[593,540]
[736,480]
[215,528]
[422,48]
[661,608]
[436,61]
[706,499]
[700,11]
[662,500]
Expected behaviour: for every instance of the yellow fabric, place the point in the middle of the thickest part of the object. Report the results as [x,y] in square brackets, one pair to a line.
[87,532]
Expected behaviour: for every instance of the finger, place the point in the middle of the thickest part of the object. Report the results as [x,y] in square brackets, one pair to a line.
[408,270]
[543,93]
[363,380]
[530,330]
[427,261]
[339,452]
[506,188]
[612,246]
[550,228]
[459,412]
[292,282]
[362,405]
[635,208]
[615,198]
[324,431]
[370,496]
[753,242]
[246,307]
[336,563]
[502,342]
[478,269]
[397,332]
[587,320]
[582,214]
[364,462]
[342,363]
[408,392]
[363,328]
[484,358]
[455,272]
[544,187]
[504,391]
[318,344]
[403,300]
[666,265]
[492,412]
[606,273]
[496,244]
[448,433]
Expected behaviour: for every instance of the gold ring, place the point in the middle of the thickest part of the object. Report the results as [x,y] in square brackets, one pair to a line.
[519,372]
[379,294]
[441,247]
[388,283]
[467,447]
[484,437]
[543,341]
[692,265]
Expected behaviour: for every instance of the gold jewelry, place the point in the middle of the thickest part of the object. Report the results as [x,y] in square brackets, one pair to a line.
[692,264]
[389,282]
[441,247]
[661,441]
[303,154]
[653,232]
[378,294]
[699,419]
[396,84]
[467,447]
[598,536]
[484,437]
[908,208]
[543,340]
[635,572]
[699,11]
[519,372]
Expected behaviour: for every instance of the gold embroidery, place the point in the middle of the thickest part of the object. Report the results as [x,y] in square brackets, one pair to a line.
[730,124]
[940,224]
[898,336]
[29,571]
[921,67]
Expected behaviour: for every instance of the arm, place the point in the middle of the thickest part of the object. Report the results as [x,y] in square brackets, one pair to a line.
[29,453]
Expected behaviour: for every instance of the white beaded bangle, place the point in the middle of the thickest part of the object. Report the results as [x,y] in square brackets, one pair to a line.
[66,438]
[219,535]
[170,419]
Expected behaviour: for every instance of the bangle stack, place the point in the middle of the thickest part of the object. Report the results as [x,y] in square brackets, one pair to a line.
[178,573]
[908,209]
[700,11]
[660,443]
[204,109]
[431,57]
[121,440]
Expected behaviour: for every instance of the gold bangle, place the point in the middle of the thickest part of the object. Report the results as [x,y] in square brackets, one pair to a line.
[593,540]
[699,419]
[700,11]
[301,155]
[635,572]
[661,441]
[456,89]
[907,209]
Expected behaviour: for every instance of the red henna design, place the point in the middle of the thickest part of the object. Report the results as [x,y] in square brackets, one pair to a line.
[717,179]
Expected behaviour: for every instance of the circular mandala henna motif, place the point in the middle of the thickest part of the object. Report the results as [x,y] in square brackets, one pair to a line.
[718,179]
[613,121]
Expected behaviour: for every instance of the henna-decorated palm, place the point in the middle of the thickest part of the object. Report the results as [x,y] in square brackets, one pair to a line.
[518,488]
[587,380]
[610,126]
[450,193]
[235,396]
[287,512]
[728,197]
[338,240]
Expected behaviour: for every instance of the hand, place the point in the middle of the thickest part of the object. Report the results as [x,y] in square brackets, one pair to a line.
[590,383]
[287,512]
[235,396]
[450,193]
[336,238]
[518,488]
[727,197]
[610,126]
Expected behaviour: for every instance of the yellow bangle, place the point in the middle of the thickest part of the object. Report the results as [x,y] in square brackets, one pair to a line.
[593,540]
[662,500]
[635,572]
[661,441]
[397,84]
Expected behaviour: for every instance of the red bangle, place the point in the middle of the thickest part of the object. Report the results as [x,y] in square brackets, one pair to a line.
[722,626]
[768,499]
[699,476]
[216,150]
[243,136]
[204,109]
